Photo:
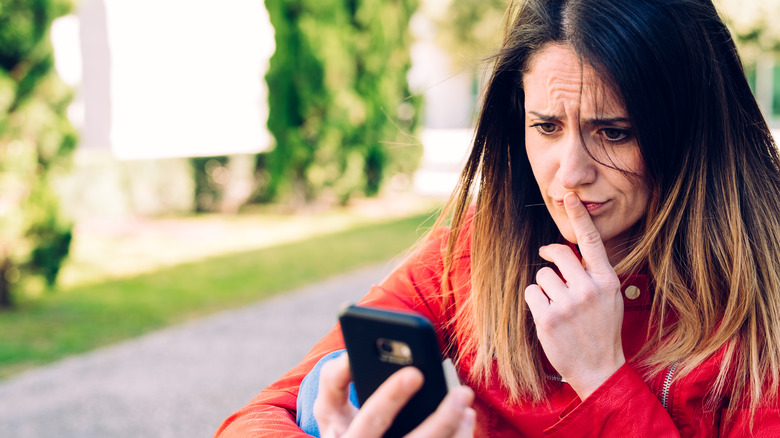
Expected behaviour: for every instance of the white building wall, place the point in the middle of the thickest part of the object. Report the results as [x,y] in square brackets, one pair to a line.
[166,78]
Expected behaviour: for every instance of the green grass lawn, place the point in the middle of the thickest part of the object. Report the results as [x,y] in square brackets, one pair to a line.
[91,314]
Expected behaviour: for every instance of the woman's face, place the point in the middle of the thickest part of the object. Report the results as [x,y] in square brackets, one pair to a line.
[566,105]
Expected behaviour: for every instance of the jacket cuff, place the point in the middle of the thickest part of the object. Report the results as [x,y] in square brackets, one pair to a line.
[590,416]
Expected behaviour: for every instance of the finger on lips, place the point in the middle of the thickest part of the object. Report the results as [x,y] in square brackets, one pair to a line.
[588,238]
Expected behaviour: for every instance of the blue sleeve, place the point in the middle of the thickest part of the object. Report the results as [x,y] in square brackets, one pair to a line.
[307,393]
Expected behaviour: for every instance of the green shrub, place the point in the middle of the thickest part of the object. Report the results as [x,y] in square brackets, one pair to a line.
[340,107]
[36,141]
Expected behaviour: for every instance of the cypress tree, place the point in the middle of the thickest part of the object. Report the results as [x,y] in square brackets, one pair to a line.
[340,107]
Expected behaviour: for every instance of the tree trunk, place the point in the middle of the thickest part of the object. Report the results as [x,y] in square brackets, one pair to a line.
[5,285]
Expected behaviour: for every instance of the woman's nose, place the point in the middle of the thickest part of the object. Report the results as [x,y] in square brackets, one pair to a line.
[577,167]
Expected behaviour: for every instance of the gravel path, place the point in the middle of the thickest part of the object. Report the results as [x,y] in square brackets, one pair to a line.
[178,382]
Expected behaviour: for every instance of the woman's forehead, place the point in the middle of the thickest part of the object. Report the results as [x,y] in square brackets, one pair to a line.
[557,77]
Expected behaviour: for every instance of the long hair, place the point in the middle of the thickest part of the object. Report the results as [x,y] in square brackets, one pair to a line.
[711,235]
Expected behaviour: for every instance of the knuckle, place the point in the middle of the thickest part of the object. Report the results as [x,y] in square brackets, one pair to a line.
[588,291]
[555,317]
[613,284]
[549,322]
[607,282]
[589,236]
[543,273]
[545,321]
[558,249]
[565,311]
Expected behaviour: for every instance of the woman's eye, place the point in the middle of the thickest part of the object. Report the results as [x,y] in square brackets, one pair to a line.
[614,134]
[546,128]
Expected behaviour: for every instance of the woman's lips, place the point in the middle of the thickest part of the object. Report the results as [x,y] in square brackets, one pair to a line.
[592,207]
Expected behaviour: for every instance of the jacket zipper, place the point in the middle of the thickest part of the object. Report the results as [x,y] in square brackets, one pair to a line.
[668,386]
[555,378]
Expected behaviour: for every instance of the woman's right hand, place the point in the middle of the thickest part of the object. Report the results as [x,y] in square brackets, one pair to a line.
[336,417]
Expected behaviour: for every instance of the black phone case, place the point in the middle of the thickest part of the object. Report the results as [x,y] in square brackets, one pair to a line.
[362,327]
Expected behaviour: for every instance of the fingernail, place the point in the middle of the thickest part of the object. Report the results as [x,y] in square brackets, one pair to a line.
[571,199]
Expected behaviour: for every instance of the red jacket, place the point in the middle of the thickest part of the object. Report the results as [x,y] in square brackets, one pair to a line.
[624,406]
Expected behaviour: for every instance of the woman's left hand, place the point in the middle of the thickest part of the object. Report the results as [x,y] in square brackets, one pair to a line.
[337,417]
[579,318]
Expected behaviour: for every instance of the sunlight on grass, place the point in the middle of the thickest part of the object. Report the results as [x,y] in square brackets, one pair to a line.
[186,282]
[117,248]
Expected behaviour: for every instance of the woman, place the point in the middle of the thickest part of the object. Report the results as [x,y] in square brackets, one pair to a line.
[619,274]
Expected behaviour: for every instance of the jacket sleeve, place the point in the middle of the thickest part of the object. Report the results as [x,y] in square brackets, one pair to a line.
[414,285]
[765,424]
[622,406]
[272,413]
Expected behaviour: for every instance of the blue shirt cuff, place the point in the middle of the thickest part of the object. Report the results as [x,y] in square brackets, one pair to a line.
[307,393]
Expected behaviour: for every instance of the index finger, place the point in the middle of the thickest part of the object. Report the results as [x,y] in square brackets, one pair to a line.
[594,255]
[380,409]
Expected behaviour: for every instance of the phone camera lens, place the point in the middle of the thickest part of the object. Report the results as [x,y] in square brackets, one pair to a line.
[386,346]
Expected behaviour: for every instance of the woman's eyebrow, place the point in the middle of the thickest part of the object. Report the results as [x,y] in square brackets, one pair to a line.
[544,117]
[608,121]
[594,121]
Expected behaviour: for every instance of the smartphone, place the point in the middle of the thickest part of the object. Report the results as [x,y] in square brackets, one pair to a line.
[380,342]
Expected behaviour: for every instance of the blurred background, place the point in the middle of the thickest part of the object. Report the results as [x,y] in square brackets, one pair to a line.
[165,160]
